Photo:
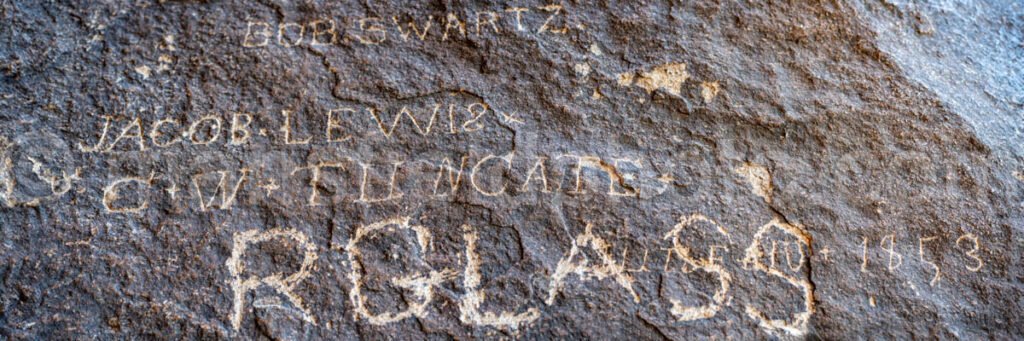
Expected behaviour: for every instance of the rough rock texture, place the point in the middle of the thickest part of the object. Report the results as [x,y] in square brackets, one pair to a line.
[539,170]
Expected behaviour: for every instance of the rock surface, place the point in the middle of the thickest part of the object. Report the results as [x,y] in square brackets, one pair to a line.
[538,170]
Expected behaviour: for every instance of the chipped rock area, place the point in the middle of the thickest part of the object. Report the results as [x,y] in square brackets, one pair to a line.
[511,170]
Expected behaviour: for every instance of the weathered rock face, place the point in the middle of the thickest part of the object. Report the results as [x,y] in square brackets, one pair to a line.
[539,170]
